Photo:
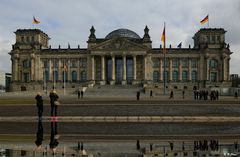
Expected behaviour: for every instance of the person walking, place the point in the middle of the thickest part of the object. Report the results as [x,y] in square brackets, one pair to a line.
[183,94]
[171,95]
[236,95]
[54,103]
[39,103]
[151,93]
[81,94]
[78,93]
[138,95]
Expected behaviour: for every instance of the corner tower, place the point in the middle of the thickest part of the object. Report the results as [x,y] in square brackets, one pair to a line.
[210,38]
[30,38]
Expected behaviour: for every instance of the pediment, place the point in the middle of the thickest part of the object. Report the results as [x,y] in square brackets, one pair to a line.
[119,44]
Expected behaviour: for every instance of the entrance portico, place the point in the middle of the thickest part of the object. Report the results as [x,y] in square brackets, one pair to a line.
[115,69]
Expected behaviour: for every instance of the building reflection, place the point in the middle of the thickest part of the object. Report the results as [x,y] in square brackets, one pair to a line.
[54,137]
[39,135]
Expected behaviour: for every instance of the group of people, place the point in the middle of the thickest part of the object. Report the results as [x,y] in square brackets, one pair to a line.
[206,145]
[54,101]
[203,95]
[80,94]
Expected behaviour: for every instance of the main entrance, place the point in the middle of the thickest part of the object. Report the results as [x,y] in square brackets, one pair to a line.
[119,70]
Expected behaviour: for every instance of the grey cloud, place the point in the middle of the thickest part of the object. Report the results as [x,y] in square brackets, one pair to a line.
[69,21]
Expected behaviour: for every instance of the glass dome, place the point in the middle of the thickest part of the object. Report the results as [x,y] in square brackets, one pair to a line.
[122,33]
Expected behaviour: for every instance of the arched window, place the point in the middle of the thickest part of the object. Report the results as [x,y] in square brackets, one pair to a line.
[65,73]
[175,76]
[213,64]
[194,75]
[156,76]
[55,75]
[74,76]
[83,76]
[185,75]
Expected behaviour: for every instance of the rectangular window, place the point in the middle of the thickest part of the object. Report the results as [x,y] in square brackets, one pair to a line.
[175,63]
[218,38]
[194,63]
[22,39]
[74,64]
[156,62]
[184,63]
[45,64]
[26,77]
[26,63]
[213,39]
[208,38]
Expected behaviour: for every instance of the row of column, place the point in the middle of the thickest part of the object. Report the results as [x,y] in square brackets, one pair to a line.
[103,75]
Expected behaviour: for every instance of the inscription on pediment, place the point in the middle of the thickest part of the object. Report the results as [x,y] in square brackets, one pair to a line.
[120,44]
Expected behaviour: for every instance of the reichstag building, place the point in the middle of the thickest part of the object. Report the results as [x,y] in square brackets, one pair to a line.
[121,58]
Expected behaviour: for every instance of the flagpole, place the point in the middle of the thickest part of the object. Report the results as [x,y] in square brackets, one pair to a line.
[164,55]
[208,20]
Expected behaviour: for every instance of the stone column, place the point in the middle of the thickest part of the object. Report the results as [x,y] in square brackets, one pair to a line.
[60,77]
[201,68]
[134,68]
[160,69]
[50,68]
[180,70]
[69,78]
[170,69]
[189,70]
[93,68]
[112,82]
[124,81]
[41,70]
[32,68]
[208,71]
[79,70]
[16,70]
[103,81]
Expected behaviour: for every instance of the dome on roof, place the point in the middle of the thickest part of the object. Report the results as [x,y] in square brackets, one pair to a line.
[122,33]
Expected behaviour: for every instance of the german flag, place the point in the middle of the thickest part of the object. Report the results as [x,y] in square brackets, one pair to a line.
[204,20]
[163,36]
[35,21]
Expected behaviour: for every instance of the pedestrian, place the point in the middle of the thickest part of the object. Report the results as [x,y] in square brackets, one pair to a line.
[171,95]
[171,146]
[138,144]
[78,93]
[81,94]
[236,95]
[151,93]
[39,103]
[54,103]
[183,94]
[138,95]
[217,95]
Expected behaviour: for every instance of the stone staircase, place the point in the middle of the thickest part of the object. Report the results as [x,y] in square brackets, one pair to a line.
[113,91]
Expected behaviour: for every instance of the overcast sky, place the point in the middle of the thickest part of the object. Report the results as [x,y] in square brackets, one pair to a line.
[69,21]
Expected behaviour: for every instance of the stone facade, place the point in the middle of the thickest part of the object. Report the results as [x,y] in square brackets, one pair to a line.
[122,57]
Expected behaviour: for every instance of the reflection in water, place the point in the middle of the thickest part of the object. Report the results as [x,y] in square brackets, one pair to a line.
[39,135]
[54,137]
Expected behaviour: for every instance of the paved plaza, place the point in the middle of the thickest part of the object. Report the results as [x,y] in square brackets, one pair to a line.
[110,126]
